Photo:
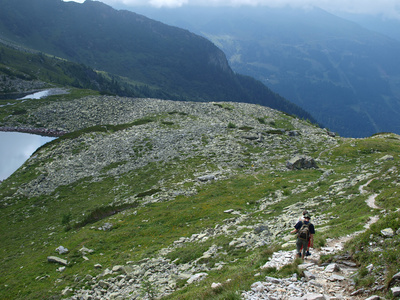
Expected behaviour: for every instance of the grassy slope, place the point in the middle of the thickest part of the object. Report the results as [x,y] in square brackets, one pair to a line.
[32,228]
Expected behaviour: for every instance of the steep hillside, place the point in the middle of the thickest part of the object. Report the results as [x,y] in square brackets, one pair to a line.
[346,76]
[182,65]
[24,71]
[147,197]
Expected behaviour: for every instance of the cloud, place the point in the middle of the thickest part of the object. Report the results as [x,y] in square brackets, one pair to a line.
[390,8]
[387,8]
[79,1]
[168,3]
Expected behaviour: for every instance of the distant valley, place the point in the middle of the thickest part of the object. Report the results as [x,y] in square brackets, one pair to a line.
[346,76]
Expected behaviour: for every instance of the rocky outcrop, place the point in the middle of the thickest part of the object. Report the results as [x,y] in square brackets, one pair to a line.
[301,162]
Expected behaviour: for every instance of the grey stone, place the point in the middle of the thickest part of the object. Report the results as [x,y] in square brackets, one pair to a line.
[387,157]
[273,279]
[336,277]
[349,263]
[395,291]
[197,277]
[260,229]
[332,268]
[104,284]
[216,285]
[206,178]
[62,250]
[294,133]
[396,276]
[308,275]
[374,297]
[119,269]
[57,260]
[301,162]
[387,232]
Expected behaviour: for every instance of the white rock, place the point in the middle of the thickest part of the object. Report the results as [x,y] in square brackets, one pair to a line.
[395,291]
[332,268]
[54,259]
[62,250]
[373,298]
[197,277]
[216,285]
[387,232]
[336,278]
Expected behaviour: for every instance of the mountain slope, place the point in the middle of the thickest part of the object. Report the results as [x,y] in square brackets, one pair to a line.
[24,71]
[182,65]
[344,75]
[147,194]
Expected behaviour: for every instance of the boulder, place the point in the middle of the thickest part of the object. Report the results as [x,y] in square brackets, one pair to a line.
[57,260]
[332,268]
[374,297]
[395,279]
[62,250]
[197,277]
[301,162]
[216,285]
[387,157]
[206,178]
[387,232]
[395,291]
[294,133]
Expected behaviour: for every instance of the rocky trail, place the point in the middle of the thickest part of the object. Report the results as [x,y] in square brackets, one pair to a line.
[328,281]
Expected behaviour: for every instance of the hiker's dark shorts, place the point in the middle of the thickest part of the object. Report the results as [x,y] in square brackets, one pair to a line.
[302,244]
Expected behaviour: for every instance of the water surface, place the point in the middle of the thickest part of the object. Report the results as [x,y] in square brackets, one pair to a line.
[16,148]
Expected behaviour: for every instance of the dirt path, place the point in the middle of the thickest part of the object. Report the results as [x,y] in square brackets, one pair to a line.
[371,199]
[320,281]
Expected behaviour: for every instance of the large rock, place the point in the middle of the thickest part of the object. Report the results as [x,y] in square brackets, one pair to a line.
[57,260]
[301,162]
[396,291]
[387,232]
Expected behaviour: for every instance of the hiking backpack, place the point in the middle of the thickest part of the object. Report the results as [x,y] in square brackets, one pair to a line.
[304,232]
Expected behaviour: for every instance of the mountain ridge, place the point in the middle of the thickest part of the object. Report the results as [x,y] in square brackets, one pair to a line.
[178,63]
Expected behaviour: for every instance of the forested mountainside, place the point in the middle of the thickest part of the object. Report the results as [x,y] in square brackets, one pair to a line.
[346,76]
[176,63]
[144,198]
[25,70]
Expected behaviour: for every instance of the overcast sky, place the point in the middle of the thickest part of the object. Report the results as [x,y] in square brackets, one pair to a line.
[389,8]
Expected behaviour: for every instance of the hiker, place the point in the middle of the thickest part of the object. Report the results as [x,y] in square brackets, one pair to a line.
[305,212]
[305,234]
